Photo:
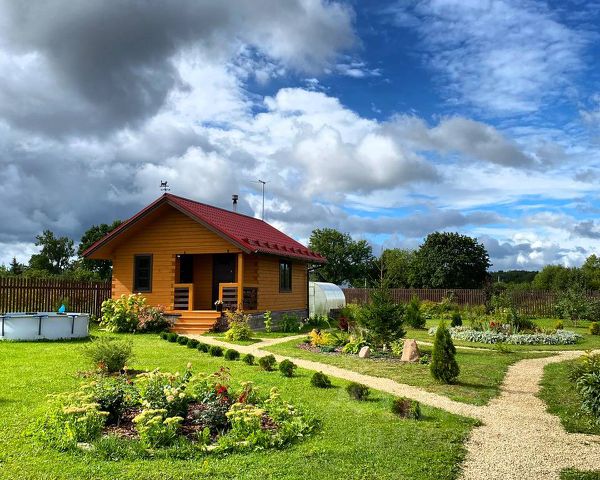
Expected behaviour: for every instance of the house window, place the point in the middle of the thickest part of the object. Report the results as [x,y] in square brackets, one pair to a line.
[142,273]
[285,276]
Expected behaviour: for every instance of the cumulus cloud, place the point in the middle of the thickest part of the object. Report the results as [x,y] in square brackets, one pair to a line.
[504,56]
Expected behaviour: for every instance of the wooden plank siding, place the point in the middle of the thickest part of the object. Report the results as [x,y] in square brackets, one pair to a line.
[163,236]
[168,232]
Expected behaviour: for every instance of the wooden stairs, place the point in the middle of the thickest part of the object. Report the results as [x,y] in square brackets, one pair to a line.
[195,321]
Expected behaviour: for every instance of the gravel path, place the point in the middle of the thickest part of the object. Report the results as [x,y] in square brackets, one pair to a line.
[518,438]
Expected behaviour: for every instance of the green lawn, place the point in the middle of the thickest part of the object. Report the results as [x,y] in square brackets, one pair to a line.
[257,337]
[562,399]
[576,475]
[357,440]
[479,380]
[589,342]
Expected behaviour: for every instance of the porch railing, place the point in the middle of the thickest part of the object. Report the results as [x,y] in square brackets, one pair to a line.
[228,294]
[183,296]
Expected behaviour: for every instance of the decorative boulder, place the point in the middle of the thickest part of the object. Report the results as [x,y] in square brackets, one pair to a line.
[410,352]
[365,352]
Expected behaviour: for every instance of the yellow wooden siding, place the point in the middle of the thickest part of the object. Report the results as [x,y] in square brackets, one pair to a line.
[269,296]
[164,236]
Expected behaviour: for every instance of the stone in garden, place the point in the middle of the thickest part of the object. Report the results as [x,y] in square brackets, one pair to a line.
[365,352]
[410,352]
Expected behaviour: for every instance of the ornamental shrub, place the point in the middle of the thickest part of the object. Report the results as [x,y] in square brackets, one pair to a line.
[287,367]
[320,380]
[239,327]
[122,314]
[248,359]
[181,340]
[164,335]
[192,343]
[113,395]
[108,354]
[559,325]
[413,315]
[232,354]
[406,408]
[289,323]
[383,318]
[215,351]
[172,337]
[153,319]
[443,365]
[267,363]
[595,328]
[456,320]
[203,347]
[588,387]
[155,428]
[358,391]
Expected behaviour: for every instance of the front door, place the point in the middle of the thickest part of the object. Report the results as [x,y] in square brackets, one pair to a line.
[223,272]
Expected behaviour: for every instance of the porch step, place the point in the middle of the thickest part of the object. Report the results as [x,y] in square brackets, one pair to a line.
[195,321]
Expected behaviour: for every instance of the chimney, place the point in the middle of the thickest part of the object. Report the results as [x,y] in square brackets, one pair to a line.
[234,199]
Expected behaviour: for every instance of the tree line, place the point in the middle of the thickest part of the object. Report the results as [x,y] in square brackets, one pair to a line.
[58,257]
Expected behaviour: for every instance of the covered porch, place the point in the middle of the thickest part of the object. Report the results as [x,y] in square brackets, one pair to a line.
[203,280]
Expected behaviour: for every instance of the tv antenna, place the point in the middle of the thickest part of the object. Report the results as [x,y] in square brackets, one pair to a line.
[263,183]
[164,186]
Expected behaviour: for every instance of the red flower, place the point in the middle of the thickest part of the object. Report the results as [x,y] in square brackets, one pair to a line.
[221,390]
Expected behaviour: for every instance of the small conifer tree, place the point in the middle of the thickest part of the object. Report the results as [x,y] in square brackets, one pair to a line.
[443,364]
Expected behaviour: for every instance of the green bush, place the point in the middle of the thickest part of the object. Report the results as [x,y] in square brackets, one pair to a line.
[164,335]
[406,408]
[382,318]
[152,319]
[413,315]
[215,351]
[248,359]
[172,337]
[358,391]
[181,340]
[595,328]
[155,428]
[559,325]
[232,354]
[109,354]
[443,365]
[113,395]
[203,347]
[456,320]
[268,321]
[289,323]
[192,343]
[267,363]
[286,367]
[320,380]
[122,314]
[239,327]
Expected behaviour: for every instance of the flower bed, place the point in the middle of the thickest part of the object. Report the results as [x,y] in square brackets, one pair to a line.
[157,410]
[560,337]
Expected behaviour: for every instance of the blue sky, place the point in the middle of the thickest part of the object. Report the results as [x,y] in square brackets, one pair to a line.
[387,119]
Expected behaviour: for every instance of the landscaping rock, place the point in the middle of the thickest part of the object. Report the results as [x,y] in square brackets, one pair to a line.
[410,352]
[365,352]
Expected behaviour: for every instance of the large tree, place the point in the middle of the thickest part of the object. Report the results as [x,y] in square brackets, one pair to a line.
[348,261]
[450,260]
[103,268]
[397,266]
[558,278]
[55,254]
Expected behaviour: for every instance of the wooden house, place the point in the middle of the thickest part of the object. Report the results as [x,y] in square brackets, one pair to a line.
[191,257]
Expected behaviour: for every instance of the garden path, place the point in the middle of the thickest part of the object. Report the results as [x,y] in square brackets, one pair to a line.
[517,439]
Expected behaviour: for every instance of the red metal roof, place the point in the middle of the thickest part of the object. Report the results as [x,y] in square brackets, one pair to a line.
[248,233]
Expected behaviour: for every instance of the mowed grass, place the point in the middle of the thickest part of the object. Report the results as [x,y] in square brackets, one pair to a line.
[256,337]
[357,440]
[576,475]
[589,342]
[562,399]
[481,372]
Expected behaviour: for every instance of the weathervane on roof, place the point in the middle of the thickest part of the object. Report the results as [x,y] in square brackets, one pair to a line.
[164,186]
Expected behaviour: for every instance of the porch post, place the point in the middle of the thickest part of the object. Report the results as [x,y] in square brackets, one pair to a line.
[240,281]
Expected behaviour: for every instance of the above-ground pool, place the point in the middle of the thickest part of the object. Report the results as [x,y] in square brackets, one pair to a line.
[43,326]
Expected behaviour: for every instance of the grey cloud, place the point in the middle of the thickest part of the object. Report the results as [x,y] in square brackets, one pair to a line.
[112,61]
[587,229]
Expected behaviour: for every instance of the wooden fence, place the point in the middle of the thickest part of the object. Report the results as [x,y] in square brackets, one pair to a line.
[46,295]
[533,302]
